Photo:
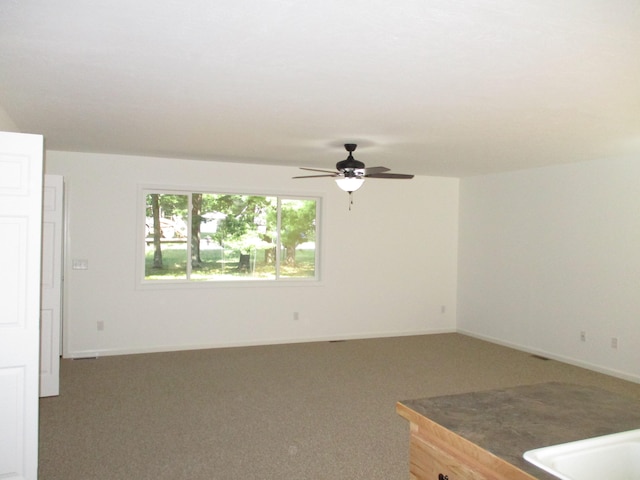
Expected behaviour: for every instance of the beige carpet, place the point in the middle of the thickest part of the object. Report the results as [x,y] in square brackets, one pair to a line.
[322,410]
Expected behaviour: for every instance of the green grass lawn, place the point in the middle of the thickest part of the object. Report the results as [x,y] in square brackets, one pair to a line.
[219,265]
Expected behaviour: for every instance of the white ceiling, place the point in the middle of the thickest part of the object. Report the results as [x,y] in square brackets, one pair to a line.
[438,87]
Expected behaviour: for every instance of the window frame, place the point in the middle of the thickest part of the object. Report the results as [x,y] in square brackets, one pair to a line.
[188,283]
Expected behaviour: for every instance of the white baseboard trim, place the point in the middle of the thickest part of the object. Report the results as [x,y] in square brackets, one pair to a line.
[255,343]
[82,355]
[571,361]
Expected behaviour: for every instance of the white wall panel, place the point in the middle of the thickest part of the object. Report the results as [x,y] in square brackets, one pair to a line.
[389,264]
[548,253]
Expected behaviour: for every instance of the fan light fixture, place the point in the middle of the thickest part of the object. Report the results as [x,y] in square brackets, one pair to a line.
[349,184]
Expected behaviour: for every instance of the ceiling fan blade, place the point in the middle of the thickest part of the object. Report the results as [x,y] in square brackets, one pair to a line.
[374,170]
[318,176]
[319,170]
[390,175]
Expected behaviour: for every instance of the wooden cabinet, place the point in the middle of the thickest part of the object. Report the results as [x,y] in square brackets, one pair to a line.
[482,435]
[428,460]
[440,454]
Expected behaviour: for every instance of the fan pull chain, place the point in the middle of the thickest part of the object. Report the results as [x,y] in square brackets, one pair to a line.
[350,200]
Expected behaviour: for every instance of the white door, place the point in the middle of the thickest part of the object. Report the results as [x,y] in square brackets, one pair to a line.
[20,246]
[51,308]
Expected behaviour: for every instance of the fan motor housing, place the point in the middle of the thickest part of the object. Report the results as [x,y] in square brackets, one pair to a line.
[349,163]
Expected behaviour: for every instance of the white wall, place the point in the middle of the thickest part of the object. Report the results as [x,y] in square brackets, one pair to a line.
[547,253]
[389,264]
[6,122]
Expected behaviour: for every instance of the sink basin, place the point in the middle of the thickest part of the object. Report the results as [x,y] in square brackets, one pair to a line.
[611,457]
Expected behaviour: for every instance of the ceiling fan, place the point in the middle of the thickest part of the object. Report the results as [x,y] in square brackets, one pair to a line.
[351,173]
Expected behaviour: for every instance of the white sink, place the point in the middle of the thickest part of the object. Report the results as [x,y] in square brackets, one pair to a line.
[610,457]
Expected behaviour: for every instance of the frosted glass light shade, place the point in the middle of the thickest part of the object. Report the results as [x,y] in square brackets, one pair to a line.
[349,184]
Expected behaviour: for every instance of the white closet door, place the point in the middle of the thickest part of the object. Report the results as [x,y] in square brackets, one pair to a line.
[21,158]
[51,309]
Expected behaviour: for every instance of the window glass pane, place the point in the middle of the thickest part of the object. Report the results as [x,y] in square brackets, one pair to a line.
[166,237]
[229,237]
[233,237]
[298,238]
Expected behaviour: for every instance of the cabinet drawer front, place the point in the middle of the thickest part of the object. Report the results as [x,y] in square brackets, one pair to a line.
[428,462]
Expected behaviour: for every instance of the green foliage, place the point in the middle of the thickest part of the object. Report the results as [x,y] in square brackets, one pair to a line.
[298,222]
[242,215]
[170,205]
[297,226]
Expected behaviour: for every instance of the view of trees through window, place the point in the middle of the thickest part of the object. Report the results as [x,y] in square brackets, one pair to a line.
[207,236]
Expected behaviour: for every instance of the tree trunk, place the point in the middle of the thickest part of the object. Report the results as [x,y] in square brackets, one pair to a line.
[196,211]
[290,255]
[270,256]
[157,231]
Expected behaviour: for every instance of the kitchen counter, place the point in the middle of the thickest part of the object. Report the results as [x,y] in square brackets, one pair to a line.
[505,423]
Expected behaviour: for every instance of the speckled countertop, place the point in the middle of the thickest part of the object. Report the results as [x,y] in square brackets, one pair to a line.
[509,422]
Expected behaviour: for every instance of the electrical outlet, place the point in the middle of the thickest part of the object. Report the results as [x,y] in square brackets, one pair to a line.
[100,325]
[296,316]
[614,342]
[583,336]
[79,264]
